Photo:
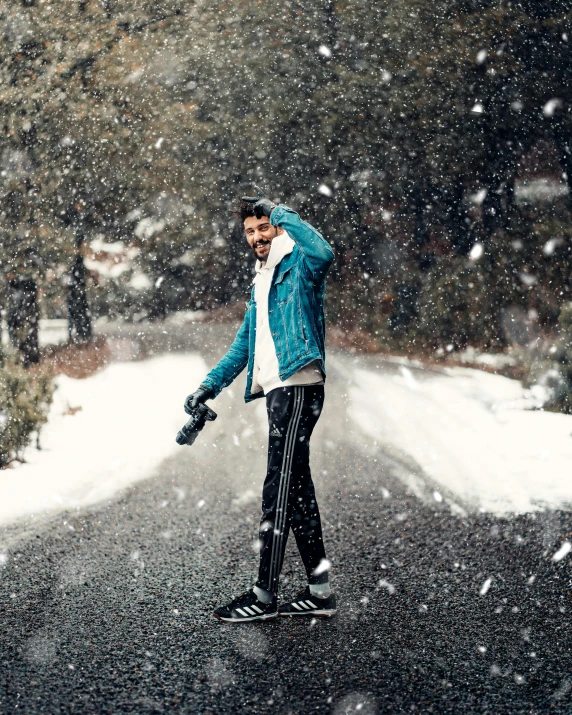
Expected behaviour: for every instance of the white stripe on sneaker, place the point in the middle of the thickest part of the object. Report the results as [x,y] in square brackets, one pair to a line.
[249,611]
[301,603]
[255,608]
[297,606]
[312,605]
[242,613]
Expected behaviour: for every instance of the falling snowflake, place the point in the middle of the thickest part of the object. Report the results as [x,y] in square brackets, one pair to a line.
[563,551]
[389,587]
[485,587]
[551,106]
[323,566]
[482,56]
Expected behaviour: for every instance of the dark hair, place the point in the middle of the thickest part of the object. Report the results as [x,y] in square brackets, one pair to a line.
[243,210]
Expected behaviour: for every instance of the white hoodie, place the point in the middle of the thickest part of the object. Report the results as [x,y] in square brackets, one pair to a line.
[265,375]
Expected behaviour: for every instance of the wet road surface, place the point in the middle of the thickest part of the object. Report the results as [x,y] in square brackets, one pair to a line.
[109,610]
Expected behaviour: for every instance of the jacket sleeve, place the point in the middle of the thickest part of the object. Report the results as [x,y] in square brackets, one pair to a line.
[234,362]
[317,251]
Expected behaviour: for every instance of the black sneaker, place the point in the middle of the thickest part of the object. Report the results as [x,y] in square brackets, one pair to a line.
[247,608]
[307,605]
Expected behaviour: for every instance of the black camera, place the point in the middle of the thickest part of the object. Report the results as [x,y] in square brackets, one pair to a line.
[200,415]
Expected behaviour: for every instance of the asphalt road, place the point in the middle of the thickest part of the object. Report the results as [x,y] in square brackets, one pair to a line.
[109,610]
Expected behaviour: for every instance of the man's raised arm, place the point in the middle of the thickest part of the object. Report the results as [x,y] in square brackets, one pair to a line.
[317,251]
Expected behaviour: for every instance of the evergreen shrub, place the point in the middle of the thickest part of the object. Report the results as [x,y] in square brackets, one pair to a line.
[562,390]
[25,396]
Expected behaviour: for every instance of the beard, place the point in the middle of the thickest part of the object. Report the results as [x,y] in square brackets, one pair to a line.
[261,246]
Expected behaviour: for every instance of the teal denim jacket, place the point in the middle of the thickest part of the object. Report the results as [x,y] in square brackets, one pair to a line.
[295,310]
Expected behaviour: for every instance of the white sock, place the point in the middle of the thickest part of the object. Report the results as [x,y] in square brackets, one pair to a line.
[320,590]
[263,595]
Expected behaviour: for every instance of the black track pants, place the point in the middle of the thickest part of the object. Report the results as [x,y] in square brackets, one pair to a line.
[288,498]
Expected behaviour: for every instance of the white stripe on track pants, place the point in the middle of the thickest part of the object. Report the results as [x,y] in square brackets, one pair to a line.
[288,497]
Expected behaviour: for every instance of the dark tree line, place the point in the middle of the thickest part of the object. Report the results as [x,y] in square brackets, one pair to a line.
[401,129]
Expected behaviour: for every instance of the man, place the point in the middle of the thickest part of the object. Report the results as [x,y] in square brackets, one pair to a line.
[281,342]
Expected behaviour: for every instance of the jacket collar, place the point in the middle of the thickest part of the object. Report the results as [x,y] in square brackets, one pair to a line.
[281,246]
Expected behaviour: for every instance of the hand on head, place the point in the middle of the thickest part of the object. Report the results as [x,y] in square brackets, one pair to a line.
[262,205]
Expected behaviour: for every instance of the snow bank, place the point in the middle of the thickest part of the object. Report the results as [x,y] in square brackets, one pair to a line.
[469,432]
[126,425]
[51,331]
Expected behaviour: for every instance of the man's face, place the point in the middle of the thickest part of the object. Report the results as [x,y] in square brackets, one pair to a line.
[259,234]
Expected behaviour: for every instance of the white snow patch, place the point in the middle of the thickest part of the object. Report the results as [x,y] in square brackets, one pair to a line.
[115,248]
[182,317]
[130,414]
[325,51]
[477,108]
[148,227]
[408,377]
[472,434]
[107,269]
[540,189]
[325,190]
[494,360]
[51,331]
[140,281]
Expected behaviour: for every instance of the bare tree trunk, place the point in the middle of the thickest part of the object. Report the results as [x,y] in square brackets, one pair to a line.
[23,319]
[458,220]
[79,315]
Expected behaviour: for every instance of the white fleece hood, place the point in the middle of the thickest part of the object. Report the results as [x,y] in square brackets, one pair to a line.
[281,246]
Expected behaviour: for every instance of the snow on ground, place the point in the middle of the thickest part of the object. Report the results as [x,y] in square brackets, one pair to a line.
[469,432]
[126,425]
[51,331]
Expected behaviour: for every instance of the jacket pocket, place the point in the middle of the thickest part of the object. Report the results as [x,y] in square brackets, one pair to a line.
[285,285]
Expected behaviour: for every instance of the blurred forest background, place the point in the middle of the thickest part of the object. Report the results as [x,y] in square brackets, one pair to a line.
[430,142]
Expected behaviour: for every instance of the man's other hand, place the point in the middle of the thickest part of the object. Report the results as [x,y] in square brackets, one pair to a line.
[200,395]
